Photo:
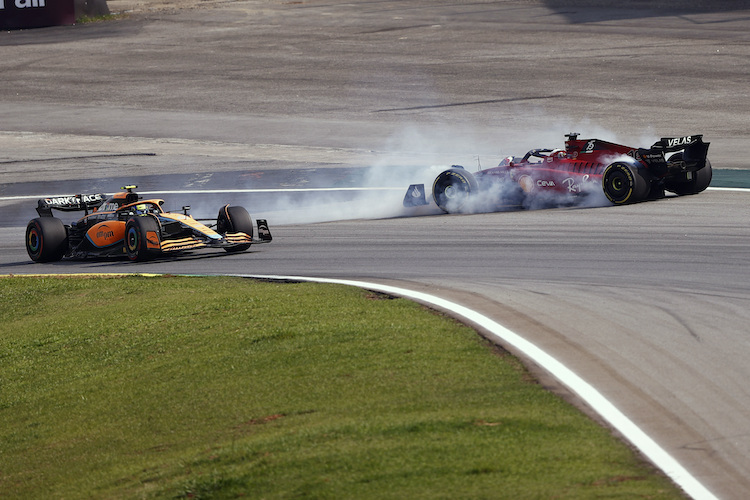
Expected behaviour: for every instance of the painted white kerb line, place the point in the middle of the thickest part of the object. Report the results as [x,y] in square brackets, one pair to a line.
[588,393]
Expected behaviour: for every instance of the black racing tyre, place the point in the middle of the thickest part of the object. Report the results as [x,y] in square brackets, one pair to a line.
[623,183]
[46,239]
[142,238]
[452,189]
[234,220]
[699,181]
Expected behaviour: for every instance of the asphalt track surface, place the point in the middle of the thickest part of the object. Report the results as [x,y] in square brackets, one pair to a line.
[316,115]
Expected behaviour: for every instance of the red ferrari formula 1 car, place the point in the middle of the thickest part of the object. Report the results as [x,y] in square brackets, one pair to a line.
[623,173]
[125,225]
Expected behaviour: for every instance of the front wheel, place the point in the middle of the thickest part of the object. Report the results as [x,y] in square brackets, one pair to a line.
[234,220]
[46,239]
[623,183]
[452,189]
[142,241]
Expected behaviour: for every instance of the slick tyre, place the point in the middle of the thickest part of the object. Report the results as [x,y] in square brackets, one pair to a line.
[452,190]
[234,220]
[46,239]
[142,238]
[624,183]
[683,186]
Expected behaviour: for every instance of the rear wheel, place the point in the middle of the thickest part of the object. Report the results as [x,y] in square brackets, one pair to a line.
[452,189]
[46,239]
[698,181]
[623,183]
[234,220]
[142,241]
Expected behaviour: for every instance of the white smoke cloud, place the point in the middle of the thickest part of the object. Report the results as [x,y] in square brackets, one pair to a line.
[416,155]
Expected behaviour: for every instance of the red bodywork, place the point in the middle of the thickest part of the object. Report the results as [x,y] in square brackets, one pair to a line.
[568,170]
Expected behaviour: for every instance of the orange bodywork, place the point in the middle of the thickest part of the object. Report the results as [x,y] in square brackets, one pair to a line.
[106,233]
[152,240]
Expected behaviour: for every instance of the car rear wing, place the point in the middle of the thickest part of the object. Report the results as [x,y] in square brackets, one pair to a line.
[693,143]
[694,150]
[74,203]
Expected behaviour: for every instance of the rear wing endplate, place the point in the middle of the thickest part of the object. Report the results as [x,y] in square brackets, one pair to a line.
[74,203]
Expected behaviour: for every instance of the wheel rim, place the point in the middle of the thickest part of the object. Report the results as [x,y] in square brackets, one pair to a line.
[132,240]
[617,185]
[34,241]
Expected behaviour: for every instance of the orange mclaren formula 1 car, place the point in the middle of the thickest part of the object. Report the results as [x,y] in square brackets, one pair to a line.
[126,225]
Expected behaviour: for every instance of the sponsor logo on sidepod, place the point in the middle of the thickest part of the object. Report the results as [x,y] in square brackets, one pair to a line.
[105,233]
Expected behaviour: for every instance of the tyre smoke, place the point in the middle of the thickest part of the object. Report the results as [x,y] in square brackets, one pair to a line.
[416,155]
[373,184]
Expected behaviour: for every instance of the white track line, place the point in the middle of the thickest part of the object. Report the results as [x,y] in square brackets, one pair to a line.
[735,190]
[587,392]
[272,190]
[224,191]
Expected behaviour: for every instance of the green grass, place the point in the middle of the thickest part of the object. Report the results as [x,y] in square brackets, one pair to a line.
[84,19]
[182,387]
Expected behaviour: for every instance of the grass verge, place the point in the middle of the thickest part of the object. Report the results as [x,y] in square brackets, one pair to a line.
[84,19]
[187,387]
